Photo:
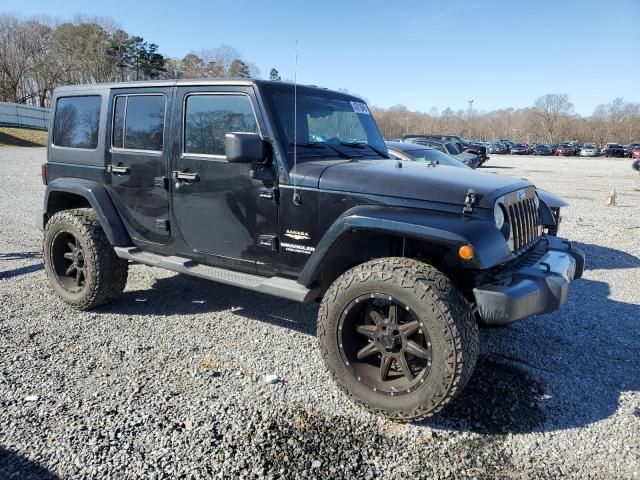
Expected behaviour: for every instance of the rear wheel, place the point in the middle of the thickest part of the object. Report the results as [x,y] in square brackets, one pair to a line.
[81,264]
[398,337]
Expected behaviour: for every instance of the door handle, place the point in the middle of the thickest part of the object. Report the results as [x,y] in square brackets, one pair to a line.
[118,170]
[185,177]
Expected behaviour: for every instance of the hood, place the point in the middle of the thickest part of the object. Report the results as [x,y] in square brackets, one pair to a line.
[465,157]
[414,180]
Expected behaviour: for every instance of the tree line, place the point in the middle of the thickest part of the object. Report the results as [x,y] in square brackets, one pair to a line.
[39,54]
[551,119]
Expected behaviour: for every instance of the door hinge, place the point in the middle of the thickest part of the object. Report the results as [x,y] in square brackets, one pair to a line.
[162,225]
[269,241]
[269,193]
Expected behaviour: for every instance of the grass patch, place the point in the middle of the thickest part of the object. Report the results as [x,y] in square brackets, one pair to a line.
[22,137]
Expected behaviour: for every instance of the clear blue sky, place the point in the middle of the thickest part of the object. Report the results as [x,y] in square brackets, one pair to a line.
[417,53]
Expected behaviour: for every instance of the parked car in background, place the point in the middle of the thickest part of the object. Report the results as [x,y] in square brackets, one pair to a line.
[629,148]
[519,149]
[565,150]
[450,148]
[613,150]
[542,149]
[499,148]
[589,150]
[406,151]
[574,145]
[462,144]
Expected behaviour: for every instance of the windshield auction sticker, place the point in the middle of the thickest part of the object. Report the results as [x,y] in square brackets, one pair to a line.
[360,108]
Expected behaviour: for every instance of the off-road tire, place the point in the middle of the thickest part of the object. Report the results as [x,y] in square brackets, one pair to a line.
[106,273]
[450,325]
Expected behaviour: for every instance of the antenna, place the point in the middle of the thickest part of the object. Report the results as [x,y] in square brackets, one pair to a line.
[296,194]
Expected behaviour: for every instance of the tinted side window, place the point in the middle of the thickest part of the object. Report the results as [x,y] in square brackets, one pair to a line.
[209,117]
[118,121]
[138,122]
[76,122]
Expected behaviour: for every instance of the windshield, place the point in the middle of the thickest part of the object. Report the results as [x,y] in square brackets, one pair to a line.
[329,124]
[433,155]
[452,149]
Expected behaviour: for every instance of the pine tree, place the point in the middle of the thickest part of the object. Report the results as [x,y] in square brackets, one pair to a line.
[274,75]
[238,69]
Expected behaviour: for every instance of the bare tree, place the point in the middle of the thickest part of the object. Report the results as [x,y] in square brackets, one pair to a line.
[553,110]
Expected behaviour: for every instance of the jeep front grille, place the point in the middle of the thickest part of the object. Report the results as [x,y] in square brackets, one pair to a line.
[522,216]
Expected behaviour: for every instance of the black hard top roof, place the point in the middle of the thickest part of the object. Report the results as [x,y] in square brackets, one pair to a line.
[183,82]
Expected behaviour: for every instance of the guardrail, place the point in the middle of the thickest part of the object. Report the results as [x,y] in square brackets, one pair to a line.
[27,116]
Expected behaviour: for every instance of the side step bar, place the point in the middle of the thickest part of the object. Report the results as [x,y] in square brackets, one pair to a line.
[277,286]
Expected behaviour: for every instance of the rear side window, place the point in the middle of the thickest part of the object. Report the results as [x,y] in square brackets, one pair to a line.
[76,122]
[138,122]
[209,117]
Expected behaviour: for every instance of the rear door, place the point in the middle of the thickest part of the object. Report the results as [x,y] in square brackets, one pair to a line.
[137,161]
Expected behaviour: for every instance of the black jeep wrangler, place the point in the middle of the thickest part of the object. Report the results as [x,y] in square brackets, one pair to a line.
[289,191]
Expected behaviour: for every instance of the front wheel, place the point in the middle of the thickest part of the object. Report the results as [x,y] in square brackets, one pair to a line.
[398,337]
[81,264]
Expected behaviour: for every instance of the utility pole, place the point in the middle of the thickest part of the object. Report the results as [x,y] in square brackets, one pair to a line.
[470,108]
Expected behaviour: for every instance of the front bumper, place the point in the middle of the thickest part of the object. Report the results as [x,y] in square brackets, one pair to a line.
[538,283]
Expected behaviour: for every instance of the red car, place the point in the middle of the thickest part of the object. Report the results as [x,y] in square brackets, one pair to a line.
[565,150]
[635,153]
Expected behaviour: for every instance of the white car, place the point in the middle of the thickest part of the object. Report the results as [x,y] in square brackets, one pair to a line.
[589,150]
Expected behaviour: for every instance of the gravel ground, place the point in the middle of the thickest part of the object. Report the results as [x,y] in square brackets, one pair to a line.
[167,382]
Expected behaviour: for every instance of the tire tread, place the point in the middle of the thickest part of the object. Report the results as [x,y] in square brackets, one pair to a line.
[432,286]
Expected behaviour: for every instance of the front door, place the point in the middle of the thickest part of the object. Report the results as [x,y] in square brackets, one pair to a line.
[137,161]
[220,211]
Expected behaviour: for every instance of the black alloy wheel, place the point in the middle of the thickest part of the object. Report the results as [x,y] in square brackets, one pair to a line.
[68,261]
[384,344]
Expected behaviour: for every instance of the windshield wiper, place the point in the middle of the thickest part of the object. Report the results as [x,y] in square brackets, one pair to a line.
[321,145]
[362,145]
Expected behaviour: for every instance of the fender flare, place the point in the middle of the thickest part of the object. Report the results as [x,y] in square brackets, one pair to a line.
[551,200]
[99,199]
[441,228]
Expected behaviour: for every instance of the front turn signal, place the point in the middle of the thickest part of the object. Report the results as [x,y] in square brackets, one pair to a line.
[465,252]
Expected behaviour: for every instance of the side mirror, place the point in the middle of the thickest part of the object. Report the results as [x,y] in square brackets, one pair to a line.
[245,148]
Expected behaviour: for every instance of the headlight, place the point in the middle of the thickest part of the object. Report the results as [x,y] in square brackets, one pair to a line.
[498,216]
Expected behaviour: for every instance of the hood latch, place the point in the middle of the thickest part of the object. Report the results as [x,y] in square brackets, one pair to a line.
[469,202]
